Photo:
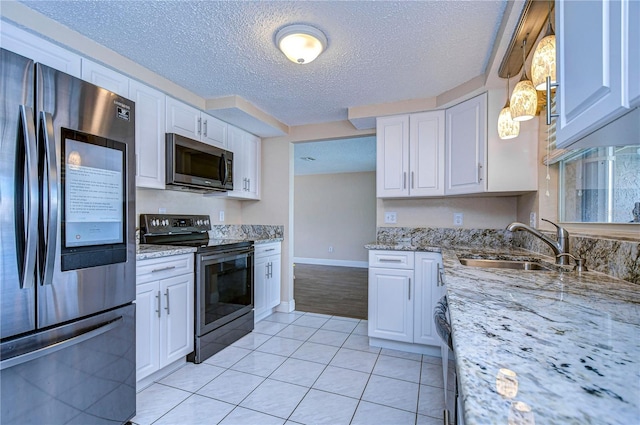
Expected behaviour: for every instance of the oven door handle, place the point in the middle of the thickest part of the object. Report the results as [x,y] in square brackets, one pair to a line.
[226,256]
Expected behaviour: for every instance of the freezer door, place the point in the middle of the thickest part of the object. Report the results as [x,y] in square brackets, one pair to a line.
[81,373]
[18,196]
[86,252]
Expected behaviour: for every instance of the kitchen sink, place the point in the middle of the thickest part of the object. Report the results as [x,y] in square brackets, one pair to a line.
[505,264]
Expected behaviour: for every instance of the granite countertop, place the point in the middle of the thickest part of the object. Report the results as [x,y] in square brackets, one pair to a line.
[145,251]
[542,346]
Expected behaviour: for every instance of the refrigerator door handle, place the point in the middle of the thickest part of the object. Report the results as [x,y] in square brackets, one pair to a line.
[31,229]
[46,127]
[52,348]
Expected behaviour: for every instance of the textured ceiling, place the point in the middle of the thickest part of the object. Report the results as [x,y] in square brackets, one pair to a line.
[335,156]
[378,51]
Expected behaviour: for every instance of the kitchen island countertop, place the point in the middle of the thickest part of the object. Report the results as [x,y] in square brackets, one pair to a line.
[541,346]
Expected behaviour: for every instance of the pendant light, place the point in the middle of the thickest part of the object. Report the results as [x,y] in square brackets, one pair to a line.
[507,127]
[543,64]
[524,99]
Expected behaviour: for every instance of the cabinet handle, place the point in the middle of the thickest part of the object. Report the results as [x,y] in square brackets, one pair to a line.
[549,114]
[166,293]
[163,269]
[445,416]
[409,288]
[158,298]
[248,185]
[438,283]
[412,173]
[199,125]
[404,180]
[479,172]
[390,260]
[270,249]
[205,128]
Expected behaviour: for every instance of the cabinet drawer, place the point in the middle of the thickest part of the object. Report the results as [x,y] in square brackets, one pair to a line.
[391,259]
[164,267]
[264,249]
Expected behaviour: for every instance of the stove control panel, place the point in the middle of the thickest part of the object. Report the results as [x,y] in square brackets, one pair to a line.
[165,224]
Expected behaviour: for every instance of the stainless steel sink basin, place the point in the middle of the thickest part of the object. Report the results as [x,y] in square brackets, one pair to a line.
[504,264]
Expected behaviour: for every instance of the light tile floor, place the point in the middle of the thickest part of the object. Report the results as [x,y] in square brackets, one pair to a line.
[300,368]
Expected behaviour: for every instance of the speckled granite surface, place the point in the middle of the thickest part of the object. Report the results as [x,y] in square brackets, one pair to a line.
[545,347]
[615,257]
[570,344]
[144,252]
[246,232]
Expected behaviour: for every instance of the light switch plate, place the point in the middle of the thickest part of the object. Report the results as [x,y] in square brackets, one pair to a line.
[532,219]
[390,217]
[221,216]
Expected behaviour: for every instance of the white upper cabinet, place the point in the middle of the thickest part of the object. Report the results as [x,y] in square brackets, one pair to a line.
[597,60]
[466,140]
[150,136]
[190,122]
[246,163]
[105,77]
[42,51]
[410,159]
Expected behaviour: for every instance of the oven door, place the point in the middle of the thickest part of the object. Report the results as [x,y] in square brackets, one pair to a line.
[224,288]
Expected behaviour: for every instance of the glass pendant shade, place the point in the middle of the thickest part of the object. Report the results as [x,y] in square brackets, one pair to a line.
[543,64]
[524,99]
[507,127]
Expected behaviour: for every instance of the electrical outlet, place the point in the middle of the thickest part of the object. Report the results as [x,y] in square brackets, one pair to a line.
[221,216]
[532,219]
[162,210]
[458,219]
[330,249]
[390,217]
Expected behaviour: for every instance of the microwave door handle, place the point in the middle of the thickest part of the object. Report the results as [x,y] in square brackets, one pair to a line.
[29,232]
[224,170]
[46,128]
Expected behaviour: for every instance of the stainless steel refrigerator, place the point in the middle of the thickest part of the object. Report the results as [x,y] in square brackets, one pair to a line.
[67,233]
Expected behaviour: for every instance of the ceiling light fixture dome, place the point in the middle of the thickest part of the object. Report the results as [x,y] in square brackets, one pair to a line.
[301,43]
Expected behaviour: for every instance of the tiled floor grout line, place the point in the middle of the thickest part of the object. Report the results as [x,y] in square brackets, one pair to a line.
[310,386]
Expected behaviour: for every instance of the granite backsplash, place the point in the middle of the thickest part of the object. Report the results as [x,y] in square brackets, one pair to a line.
[246,231]
[614,257]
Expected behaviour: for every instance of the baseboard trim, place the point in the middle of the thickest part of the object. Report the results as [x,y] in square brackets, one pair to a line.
[405,346]
[286,306]
[326,262]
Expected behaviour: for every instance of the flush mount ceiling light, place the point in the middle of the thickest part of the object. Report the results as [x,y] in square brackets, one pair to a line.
[301,43]
[507,127]
[524,99]
[543,64]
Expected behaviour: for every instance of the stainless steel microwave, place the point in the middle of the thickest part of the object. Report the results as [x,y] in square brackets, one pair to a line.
[197,166]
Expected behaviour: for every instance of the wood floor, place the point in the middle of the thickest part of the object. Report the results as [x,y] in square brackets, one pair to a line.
[340,291]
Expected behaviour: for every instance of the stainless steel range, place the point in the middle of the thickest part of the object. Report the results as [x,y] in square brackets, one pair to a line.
[223,279]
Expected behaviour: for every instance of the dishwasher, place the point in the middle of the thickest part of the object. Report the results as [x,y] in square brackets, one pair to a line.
[443,327]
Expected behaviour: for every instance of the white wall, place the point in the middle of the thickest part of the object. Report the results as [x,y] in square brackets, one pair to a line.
[337,210]
[149,201]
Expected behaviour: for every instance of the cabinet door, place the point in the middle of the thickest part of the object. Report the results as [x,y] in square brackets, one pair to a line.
[466,139]
[427,294]
[235,143]
[260,270]
[176,333]
[42,51]
[273,286]
[147,329]
[592,75]
[632,20]
[426,154]
[392,157]
[391,304]
[252,160]
[150,139]
[105,77]
[214,131]
[183,119]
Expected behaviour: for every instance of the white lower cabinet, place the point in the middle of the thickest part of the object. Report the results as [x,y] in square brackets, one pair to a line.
[164,312]
[403,290]
[266,279]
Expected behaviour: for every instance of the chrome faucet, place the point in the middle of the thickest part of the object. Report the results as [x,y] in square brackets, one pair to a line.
[559,246]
